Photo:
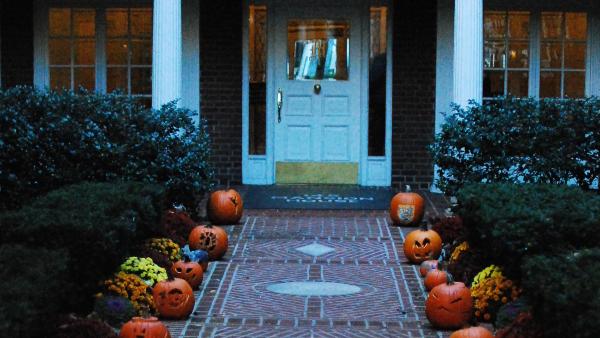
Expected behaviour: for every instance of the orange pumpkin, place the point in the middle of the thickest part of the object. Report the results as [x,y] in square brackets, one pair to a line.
[211,239]
[427,266]
[407,208]
[225,207]
[421,245]
[173,298]
[449,305]
[472,332]
[191,272]
[139,327]
[434,278]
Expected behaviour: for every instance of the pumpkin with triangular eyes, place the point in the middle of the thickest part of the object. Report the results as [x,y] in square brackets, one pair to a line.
[449,305]
[421,245]
[191,272]
[173,298]
[149,327]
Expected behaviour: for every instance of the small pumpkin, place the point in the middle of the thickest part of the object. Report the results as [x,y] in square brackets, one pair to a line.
[191,272]
[449,305]
[434,278]
[173,298]
[149,327]
[225,207]
[472,332]
[407,208]
[427,266]
[210,238]
[422,244]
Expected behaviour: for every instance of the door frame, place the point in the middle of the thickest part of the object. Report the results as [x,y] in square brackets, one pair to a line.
[260,169]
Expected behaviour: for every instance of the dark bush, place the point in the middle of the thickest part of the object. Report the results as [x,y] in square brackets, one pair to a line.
[450,228]
[50,139]
[565,292]
[95,224]
[31,289]
[114,310]
[469,264]
[509,221]
[85,328]
[520,141]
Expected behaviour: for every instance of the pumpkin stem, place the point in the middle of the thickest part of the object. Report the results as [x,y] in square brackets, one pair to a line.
[449,278]
[423,226]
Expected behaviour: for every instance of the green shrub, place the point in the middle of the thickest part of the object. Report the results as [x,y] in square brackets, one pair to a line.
[31,289]
[520,141]
[509,221]
[50,139]
[96,224]
[565,292]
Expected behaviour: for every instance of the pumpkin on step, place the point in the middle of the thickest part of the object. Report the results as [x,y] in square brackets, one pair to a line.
[449,305]
[472,332]
[149,327]
[427,266]
[422,244]
[434,278]
[191,272]
[407,208]
[225,207]
[210,238]
[173,298]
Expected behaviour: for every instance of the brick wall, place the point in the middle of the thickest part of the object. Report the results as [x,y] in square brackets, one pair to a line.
[16,18]
[413,115]
[221,84]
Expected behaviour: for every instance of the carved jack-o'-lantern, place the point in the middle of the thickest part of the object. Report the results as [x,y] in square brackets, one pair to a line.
[449,305]
[427,266]
[191,272]
[139,327]
[421,245]
[407,208]
[209,238]
[472,332]
[173,298]
[225,207]
[434,278]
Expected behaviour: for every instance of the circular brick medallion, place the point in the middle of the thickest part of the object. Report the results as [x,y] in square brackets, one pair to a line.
[314,289]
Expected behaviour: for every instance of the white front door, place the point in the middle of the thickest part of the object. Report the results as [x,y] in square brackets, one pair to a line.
[317,82]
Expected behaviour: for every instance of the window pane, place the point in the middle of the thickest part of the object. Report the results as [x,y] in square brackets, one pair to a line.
[85,77]
[258,76]
[518,83]
[493,83]
[59,51]
[141,52]
[494,25]
[60,78]
[575,84]
[117,52]
[141,22]
[575,55]
[116,79]
[116,22]
[518,55]
[576,26]
[551,55]
[377,80]
[84,22]
[518,25]
[141,80]
[145,101]
[85,52]
[318,49]
[551,25]
[494,54]
[550,84]
[59,22]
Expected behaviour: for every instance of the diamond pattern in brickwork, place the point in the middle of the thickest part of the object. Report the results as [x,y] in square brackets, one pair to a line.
[315,249]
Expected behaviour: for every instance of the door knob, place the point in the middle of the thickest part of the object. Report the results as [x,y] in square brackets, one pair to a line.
[317,88]
[279,104]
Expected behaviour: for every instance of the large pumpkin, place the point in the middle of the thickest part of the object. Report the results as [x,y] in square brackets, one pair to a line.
[139,327]
[421,245]
[191,272]
[434,278]
[427,266]
[210,238]
[472,332]
[449,305]
[407,208]
[173,298]
[225,207]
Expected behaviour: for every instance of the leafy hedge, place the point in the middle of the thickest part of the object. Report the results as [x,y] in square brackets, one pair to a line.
[50,139]
[520,141]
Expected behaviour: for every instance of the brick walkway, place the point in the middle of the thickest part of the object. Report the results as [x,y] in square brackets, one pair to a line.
[367,252]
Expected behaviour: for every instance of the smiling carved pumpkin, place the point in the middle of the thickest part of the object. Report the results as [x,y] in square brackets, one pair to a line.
[173,298]
[191,272]
[139,327]
[449,305]
[421,245]
[225,207]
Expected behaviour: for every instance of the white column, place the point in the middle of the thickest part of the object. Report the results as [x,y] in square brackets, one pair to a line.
[468,51]
[593,72]
[166,52]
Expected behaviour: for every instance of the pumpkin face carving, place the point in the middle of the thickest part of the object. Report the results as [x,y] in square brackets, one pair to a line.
[191,272]
[449,305]
[211,239]
[421,245]
[407,208]
[139,327]
[225,207]
[472,332]
[173,298]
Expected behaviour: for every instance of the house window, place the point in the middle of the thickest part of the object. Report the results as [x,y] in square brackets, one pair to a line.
[377,79]
[257,50]
[506,54]
[72,48]
[563,50]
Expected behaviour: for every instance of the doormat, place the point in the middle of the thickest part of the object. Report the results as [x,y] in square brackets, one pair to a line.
[317,197]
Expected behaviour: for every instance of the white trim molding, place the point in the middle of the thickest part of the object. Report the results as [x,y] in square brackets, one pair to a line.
[190,96]
[166,52]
